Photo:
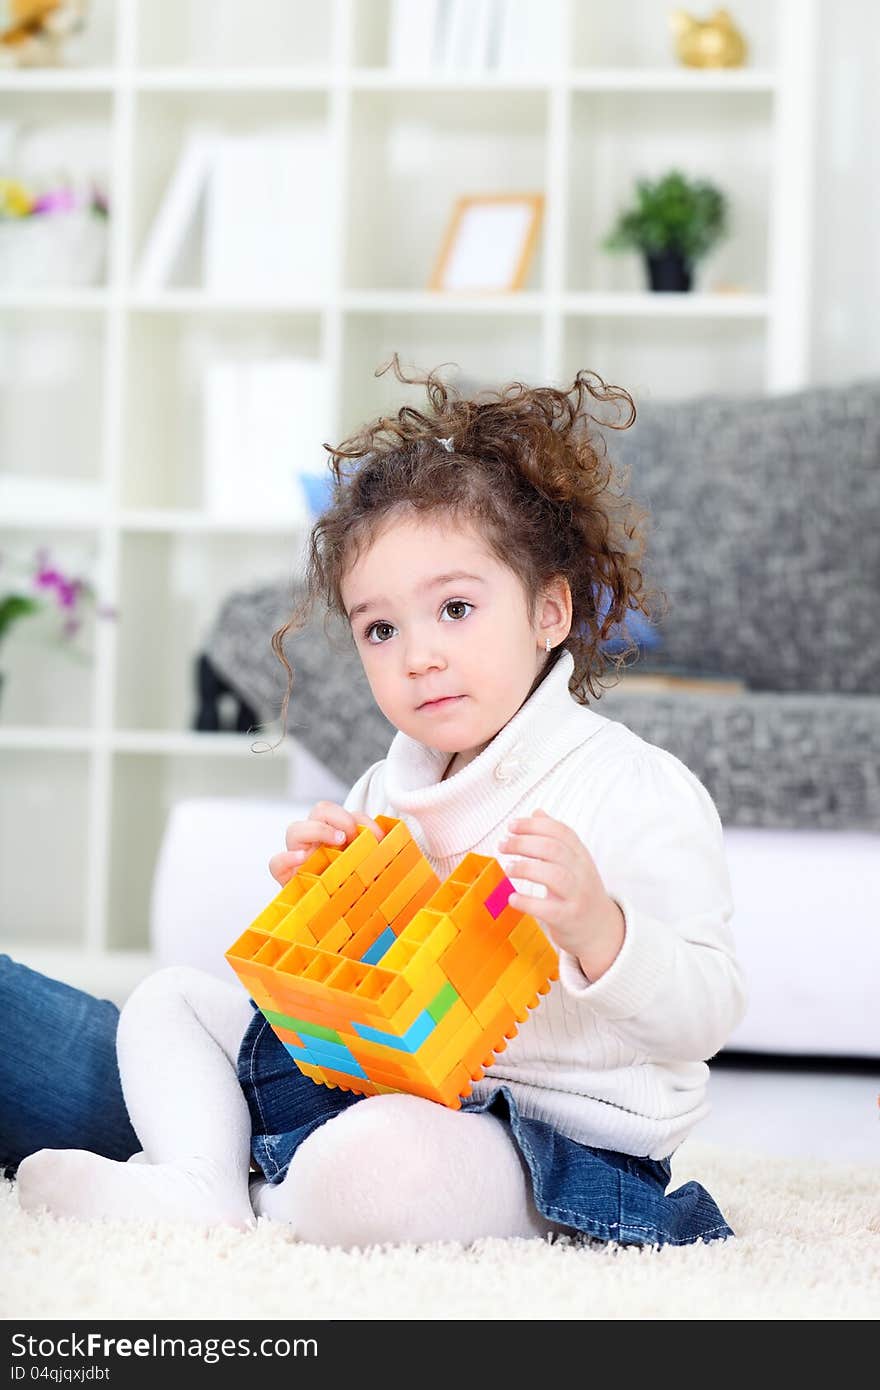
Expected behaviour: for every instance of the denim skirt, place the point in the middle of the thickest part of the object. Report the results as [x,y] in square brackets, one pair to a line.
[597,1192]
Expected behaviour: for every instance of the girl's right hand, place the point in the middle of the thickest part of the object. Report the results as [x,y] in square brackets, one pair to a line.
[328,824]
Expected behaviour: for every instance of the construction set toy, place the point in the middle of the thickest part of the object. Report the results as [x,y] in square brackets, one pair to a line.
[377,977]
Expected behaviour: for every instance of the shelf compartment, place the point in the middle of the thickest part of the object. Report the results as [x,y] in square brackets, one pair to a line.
[171,590]
[617,138]
[145,790]
[461,344]
[85,56]
[228,34]
[372,33]
[412,155]
[48,680]
[56,137]
[164,434]
[164,120]
[51,393]
[43,846]
[668,359]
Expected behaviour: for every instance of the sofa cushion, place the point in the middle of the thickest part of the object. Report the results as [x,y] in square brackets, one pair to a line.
[765,535]
[332,712]
[785,761]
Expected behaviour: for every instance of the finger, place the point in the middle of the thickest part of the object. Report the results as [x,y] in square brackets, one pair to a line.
[365,821]
[544,909]
[333,814]
[352,826]
[535,846]
[329,813]
[283,866]
[536,825]
[552,876]
[548,823]
[305,833]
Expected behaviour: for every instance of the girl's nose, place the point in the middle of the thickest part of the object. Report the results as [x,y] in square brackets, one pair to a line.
[421,655]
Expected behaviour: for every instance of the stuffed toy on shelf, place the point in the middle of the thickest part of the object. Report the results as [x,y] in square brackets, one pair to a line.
[33,32]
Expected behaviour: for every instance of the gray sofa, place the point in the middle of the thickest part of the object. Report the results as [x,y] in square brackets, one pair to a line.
[766,539]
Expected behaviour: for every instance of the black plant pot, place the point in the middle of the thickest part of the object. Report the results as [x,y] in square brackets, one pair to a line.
[668,270]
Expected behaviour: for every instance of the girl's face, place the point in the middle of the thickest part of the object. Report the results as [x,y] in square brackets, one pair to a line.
[466,640]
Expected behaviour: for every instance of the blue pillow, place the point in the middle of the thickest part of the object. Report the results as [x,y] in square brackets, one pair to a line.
[635,628]
[318,489]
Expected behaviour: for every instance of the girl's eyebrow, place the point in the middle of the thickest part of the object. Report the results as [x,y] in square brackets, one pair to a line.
[426,584]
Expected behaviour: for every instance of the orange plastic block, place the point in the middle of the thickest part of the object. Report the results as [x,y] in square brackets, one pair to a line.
[377,977]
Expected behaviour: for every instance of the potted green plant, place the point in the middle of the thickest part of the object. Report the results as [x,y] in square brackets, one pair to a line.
[674,222]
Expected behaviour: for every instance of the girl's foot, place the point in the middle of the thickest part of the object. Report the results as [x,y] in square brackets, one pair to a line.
[73,1182]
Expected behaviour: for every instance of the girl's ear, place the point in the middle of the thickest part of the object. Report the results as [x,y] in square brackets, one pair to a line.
[555,608]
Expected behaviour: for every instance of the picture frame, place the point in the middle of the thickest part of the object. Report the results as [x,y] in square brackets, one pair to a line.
[489,244]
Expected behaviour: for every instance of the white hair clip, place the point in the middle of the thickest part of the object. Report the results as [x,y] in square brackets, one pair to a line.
[447,444]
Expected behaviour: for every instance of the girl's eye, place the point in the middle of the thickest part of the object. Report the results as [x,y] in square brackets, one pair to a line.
[458,603]
[450,603]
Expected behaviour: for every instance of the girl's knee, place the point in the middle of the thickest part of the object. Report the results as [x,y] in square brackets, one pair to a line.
[171,982]
[394,1169]
[363,1141]
[353,1182]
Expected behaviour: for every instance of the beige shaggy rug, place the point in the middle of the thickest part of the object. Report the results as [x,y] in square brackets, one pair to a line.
[807,1246]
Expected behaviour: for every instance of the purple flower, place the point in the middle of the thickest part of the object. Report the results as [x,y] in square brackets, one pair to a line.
[50,583]
[67,591]
[58,200]
[48,579]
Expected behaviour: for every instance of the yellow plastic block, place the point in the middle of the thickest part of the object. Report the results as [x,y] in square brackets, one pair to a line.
[458,969]
[489,1008]
[450,1024]
[396,839]
[454,1052]
[405,891]
[301,914]
[335,937]
[422,895]
[344,862]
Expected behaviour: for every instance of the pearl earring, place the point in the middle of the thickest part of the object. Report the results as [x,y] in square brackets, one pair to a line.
[546,644]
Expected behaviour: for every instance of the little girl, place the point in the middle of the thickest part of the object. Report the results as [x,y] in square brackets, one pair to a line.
[482,555]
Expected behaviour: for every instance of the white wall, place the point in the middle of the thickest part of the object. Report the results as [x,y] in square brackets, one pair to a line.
[846,245]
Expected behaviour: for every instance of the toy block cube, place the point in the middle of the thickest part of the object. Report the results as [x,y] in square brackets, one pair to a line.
[376,977]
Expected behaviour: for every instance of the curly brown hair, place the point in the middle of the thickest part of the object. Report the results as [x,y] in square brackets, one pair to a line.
[529,472]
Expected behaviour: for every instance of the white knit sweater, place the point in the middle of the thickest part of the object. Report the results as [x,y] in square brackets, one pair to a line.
[619,1063]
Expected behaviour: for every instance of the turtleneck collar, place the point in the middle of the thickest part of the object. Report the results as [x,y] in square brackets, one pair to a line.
[459,813]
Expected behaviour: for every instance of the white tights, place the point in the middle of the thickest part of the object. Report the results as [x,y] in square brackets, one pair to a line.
[393,1168]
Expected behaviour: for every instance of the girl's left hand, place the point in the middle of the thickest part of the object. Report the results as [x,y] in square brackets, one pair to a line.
[577,912]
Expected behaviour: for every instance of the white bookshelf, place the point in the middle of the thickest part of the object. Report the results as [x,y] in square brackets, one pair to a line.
[93,758]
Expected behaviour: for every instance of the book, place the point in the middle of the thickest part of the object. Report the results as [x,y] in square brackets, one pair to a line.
[264,423]
[289,413]
[494,32]
[265,213]
[412,35]
[531,35]
[465,38]
[177,212]
[638,682]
